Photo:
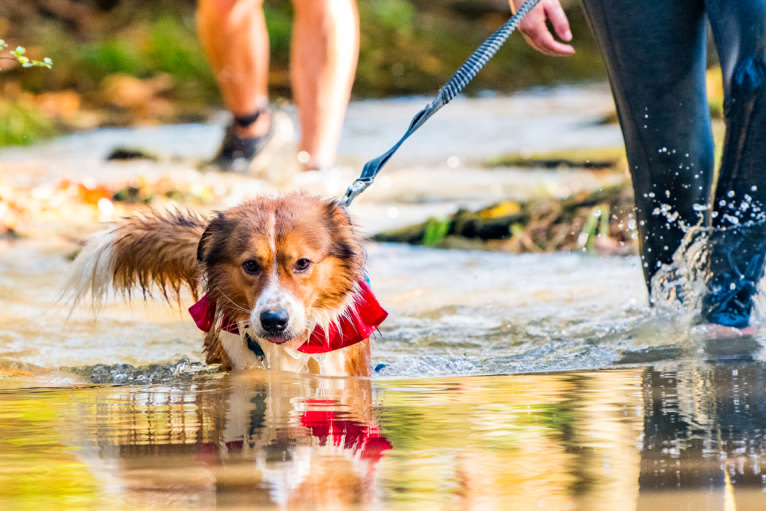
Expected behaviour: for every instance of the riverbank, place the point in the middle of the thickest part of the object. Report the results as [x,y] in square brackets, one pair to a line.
[119,63]
[63,186]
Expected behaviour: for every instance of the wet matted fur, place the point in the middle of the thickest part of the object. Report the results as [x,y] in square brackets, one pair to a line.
[295,251]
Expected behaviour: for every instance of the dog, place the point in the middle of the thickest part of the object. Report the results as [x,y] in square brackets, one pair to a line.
[279,281]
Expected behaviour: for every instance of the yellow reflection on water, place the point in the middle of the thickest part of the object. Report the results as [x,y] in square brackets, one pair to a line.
[623,439]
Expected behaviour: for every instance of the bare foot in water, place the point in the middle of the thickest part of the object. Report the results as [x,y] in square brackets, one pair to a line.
[716,331]
[726,343]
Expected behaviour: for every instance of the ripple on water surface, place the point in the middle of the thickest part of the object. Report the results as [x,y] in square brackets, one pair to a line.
[452,313]
[635,438]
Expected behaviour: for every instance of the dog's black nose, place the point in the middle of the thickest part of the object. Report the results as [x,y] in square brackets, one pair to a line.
[274,321]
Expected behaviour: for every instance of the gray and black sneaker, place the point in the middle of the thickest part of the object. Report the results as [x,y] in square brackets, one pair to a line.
[236,153]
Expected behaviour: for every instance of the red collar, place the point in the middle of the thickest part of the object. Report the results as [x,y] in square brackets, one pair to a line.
[360,321]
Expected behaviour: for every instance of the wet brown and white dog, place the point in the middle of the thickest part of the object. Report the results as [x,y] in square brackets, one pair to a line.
[281,280]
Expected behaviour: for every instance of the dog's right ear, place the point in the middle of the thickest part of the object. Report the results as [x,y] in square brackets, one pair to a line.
[203,248]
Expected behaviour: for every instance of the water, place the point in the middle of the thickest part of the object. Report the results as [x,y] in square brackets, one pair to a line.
[679,436]
[451,313]
[526,381]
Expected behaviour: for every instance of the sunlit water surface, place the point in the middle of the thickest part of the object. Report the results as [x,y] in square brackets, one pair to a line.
[627,410]
[678,436]
[451,313]
[683,433]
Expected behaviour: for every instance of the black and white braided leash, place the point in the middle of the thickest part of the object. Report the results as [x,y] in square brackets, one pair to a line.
[447,93]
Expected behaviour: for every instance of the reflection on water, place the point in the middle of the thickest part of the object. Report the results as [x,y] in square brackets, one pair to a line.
[686,436]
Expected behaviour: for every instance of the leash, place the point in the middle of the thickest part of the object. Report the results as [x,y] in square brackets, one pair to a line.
[447,93]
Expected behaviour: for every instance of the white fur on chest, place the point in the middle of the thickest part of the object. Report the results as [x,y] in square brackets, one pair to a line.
[280,358]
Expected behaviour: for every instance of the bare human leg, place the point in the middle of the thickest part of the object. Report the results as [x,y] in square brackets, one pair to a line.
[236,43]
[324,53]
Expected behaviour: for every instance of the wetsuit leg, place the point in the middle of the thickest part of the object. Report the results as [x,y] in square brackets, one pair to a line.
[655,57]
[738,243]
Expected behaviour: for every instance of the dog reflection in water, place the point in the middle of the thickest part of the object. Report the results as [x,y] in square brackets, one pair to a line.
[252,438]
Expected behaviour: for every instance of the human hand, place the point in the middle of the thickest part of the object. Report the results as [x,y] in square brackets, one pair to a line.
[536,32]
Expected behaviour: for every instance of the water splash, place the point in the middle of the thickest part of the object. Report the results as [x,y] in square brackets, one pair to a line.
[180,371]
[678,288]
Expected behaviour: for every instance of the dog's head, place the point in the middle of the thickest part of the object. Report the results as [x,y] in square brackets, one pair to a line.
[282,264]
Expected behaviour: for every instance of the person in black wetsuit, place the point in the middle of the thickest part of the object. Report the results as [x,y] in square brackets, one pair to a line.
[655,53]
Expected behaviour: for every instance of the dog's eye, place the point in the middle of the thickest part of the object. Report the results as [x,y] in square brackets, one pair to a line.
[250,266]
[302,265]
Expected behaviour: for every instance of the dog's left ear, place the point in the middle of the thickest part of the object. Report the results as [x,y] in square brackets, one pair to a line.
[346,242]
[203,252]
[338,213]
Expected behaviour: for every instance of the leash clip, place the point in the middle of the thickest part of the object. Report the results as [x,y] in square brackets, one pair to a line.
[357,187]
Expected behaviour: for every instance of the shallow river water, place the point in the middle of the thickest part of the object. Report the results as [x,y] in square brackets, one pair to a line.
[539,381]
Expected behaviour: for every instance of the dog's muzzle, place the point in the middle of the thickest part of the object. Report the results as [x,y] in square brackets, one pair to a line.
[274,322]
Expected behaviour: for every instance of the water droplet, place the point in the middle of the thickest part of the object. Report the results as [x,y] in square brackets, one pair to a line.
[730,193]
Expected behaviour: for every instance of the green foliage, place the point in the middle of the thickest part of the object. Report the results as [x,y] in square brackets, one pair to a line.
[173,47]
[397,15]
[20,125]
[435,232]
[413,48]
[406,47]
[102,58]
[19,56]
[279,20]
[597,224]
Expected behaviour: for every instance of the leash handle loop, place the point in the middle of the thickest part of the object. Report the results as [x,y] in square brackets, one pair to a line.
[447,93]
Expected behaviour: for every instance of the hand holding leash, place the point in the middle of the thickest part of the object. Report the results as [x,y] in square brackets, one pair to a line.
[447,93]
[535,29]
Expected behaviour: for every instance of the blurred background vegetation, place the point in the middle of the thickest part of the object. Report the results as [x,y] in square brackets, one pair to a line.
[119,62]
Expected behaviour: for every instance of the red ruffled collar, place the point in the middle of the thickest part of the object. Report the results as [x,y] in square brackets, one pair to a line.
[357,324]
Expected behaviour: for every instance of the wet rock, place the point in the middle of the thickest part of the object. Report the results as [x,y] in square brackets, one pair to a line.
[597,221]
[589,158]
[130,153]
[652,354]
